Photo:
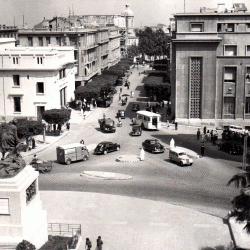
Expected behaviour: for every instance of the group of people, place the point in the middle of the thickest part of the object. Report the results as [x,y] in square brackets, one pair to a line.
[207,135]
[99,243]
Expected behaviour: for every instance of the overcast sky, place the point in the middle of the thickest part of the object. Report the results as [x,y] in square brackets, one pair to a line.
[146,12]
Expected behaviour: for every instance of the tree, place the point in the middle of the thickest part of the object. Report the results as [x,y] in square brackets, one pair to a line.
[133,51]
[153,43]
[25,245]
[241,203]
[56,116]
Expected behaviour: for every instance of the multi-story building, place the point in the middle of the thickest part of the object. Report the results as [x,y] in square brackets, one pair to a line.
[33,79]
[91,46]
[210,74]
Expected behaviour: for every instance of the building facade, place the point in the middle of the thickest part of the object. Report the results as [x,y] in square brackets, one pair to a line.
[210,66]
[93,48]
[35,79]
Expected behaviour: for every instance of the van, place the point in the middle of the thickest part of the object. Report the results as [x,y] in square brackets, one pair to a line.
[236,129]
[72,152]
[180,156]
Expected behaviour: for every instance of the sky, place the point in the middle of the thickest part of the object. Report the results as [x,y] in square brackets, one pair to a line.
[146,12]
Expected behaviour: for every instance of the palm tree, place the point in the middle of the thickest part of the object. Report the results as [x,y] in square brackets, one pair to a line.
[241,203]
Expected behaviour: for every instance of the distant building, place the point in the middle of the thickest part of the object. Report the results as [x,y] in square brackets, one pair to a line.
[33,79]
[210,60]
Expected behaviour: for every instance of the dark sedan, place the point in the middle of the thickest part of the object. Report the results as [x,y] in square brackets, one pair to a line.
[153,146]
[231,147]
[106,147]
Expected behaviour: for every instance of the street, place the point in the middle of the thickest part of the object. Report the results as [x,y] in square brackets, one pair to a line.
[201,186]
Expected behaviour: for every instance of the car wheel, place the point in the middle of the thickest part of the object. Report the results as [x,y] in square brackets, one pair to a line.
[84,158]
[105,152]
[117,148]
[191,164]
[181,163]
[142,126]
[68,161]
[170,158]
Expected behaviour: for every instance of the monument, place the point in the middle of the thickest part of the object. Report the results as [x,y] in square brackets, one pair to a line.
[21,213]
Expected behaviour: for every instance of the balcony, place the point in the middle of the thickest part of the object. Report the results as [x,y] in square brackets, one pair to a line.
[104,40]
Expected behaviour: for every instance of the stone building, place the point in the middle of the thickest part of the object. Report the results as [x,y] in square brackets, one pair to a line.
[33,79]
[210,66]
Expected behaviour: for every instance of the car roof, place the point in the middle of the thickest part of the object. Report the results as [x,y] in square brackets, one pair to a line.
[177,150]
[103,142]
[72,145]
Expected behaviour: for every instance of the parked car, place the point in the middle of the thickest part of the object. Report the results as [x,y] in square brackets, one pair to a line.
[180,156]
[106,147]
[135,107]
[136,130]
[231,147]
[121,113]
[153,145]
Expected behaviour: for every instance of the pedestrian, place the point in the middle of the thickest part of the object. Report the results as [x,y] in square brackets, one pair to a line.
[68,125]
[33,143]
[120,90]
[142,154]
[88,244]
[82,141]
[120,97]
[198,134]
[59,127]
[205,130]
[104,115]
[202,150]
[167,123]
[99,243]
[126,99]
[176,125]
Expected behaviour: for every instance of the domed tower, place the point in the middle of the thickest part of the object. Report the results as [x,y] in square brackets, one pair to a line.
[129,19]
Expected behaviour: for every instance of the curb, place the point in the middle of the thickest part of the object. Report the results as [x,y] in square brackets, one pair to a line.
[105,175]
[124,158]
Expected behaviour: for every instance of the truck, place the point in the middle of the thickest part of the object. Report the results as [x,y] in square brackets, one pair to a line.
[107,125]
[104,102]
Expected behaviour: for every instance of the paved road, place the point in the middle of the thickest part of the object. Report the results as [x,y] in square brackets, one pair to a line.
[201,187]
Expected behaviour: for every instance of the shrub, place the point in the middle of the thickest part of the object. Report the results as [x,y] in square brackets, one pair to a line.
[27,128]
[25,245]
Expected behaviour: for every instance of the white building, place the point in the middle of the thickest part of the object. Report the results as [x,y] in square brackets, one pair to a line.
[33,79]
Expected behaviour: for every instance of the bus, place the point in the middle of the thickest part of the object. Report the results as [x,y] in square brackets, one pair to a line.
[148,120]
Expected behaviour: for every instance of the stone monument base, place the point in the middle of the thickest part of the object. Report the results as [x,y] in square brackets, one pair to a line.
[21,213]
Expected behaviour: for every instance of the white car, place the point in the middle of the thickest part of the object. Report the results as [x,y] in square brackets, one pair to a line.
[237,129]
[180,156]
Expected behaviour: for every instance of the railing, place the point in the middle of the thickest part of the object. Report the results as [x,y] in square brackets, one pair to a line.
[60,229]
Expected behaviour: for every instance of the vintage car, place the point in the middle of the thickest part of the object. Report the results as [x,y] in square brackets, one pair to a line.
[231,147]
[106,147]
[107,125]
[135,107]
[121,114]
[136,130]
[153,145]
[180,156]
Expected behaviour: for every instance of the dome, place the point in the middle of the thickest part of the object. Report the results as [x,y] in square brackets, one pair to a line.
[127,11]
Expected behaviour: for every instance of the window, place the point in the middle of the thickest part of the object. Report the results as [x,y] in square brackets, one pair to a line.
[230,50]
[229,105]
[47,41]
[248,27]
[62,73]
[40,88]
[196,27]
[58,41]
[40,40]
[30,41]
[230,27]
[16,80]
[17,103]
[248,50]
[219,27]
[248,75]
[247,107]
[230,74]
[39,60]
[15,60]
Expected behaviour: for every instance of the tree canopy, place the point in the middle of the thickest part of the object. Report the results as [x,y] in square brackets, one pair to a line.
[153,43]
[56,116]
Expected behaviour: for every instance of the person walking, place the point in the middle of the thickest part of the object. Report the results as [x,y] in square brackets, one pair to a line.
[202,150]
[204,130]
[176,125]
[88,244]
[198,134]
[142,154]
[99,243]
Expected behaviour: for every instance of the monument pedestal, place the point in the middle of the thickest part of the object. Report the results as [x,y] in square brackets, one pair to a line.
[21,213]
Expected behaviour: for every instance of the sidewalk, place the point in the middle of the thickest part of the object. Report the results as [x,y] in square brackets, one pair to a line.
[75,118]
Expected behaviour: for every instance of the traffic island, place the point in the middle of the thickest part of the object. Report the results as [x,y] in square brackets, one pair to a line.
[128,158]
[105,175]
